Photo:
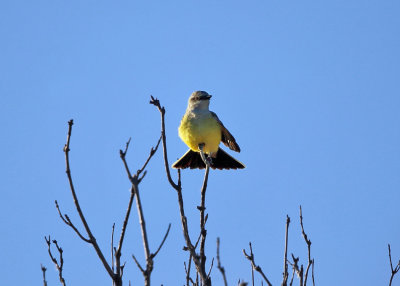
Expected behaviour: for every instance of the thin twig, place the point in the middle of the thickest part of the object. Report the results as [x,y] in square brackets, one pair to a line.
[253,264]
[156,103]
[112,247]
[395,269]
[187,271]
[121,238]
[162,242]
[78,208]
[68,222]
[285,261]
[299,271]
[219,266]
[142,224]
[211,267]
[203,230]
[135,181]
[312,272]
[59,265]
[152,152]
[44,274]
[138,264]
[291,280]
[308,246]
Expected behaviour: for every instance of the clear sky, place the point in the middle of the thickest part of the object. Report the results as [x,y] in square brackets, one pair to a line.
[310,90]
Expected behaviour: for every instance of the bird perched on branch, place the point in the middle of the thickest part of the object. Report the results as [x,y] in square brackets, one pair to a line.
[202,131]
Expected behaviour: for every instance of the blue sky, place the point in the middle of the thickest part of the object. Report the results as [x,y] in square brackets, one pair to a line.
[309,89]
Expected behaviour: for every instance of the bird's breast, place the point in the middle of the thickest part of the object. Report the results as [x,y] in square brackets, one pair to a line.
[200,128]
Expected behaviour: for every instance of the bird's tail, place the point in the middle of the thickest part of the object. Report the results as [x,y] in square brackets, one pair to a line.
[192,160]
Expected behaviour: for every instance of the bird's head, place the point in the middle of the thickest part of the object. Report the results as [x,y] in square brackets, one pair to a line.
[199,100]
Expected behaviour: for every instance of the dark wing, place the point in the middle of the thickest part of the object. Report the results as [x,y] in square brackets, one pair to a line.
[226,137]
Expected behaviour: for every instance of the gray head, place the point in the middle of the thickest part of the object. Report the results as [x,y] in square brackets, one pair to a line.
[199,100]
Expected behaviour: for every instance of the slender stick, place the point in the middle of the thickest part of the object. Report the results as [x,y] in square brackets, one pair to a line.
[312,272]
[253,264]
[219,266]
[395,269]
[308,246]
[135,181]
[44,274]
[92,239]
[285,261]
[162,242]
[59,265]
[112,247]
[202,219]
[144,236]
[156,103]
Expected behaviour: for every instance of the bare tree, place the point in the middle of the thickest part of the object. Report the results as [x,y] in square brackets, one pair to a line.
[115,269]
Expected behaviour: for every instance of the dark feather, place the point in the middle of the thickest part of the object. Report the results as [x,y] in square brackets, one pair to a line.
[226,137]
[192,160]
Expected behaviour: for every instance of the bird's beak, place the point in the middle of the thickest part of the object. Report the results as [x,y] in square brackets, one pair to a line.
[208,96]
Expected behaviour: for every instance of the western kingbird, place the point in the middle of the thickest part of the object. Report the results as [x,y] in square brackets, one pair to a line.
[202,131]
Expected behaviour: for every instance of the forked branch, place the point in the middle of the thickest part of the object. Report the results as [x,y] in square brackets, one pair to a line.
[59,264]
[254,266]
[308,242]
[92,239]
[219,266]
[135,181]
[395,269]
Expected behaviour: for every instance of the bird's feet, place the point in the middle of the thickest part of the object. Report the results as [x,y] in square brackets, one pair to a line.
[209,161]
[206,160]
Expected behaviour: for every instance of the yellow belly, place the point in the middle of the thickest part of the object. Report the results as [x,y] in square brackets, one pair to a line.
[197,130]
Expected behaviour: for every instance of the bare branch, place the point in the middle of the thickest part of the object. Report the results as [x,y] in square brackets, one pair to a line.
[112,247]
[152,152]
[187,270]
[157,104]
[92,239]
[253,264]
[395,269]
[149,259]
[308,246]
[285,261]
[211,267]
[291,280]
[312,272]
[68,222]
[203,230]
[121,238]
[299,271]
[162,242]
[188,278]
[44,274]
[138,264]
[59,265]
[135,181]
[219,266]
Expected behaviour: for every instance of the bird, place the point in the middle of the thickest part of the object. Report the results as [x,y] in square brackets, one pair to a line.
[202,131]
